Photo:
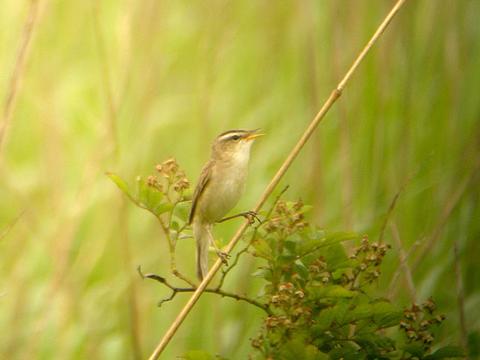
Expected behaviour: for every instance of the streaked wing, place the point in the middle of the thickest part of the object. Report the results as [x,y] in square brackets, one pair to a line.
[202,183]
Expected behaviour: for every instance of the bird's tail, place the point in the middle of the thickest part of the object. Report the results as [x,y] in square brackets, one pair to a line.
[202,238]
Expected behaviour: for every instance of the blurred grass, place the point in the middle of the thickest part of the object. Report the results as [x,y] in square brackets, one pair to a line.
[178,73]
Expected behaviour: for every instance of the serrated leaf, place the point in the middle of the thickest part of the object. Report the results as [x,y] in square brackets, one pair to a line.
[446,352]
[375,344]
[337,313]
[324,320]
[121,184]
[386,315]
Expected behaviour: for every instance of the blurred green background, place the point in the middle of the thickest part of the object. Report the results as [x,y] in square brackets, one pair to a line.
[122,85]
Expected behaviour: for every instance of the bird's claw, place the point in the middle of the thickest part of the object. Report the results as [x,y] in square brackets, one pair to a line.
[251,216]
[224,257]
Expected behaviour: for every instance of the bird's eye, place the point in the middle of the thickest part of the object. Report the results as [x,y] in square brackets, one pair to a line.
[235,137]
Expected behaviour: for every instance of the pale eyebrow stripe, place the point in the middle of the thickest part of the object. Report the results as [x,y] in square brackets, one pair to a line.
[233,131]
[228,134]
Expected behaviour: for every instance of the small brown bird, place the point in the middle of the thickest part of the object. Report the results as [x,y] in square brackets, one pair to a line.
[220,186]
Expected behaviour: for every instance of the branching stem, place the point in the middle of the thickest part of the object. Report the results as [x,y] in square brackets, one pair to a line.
[176,290]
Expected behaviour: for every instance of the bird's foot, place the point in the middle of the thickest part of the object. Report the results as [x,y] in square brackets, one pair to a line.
[223,256]
[251,216]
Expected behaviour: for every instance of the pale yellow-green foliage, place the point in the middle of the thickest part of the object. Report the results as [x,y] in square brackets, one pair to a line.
[120,86]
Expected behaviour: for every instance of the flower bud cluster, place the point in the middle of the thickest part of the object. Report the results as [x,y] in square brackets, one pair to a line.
[417,321]
[369,256]
[170,178]
[287,218]
[290,300]
[318,271]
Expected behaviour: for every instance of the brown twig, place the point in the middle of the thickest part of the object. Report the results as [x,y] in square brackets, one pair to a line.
[15,79]
[176,290]
[403,265]
[387,216]
[336,93]
[390,212]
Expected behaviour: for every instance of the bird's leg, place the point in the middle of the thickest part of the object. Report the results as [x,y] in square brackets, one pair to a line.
[221,254]
[251,216]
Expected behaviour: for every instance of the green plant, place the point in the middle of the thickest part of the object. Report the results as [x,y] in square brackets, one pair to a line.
[322,298]
[319,299]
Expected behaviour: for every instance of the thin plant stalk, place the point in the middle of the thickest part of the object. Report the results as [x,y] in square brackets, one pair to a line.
[19,68]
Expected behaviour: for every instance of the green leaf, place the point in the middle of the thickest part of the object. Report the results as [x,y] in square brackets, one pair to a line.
[262,249]
[298,349]
[182,210]
[261,273]
[386,315]
[330,291]
[446,352]
[361,312]
[337,313]
[375,344]
[474,344]
[290,246]
[415,349]
[324,320]
[301,269]
[151,198]
[314,239]
[198,355]
[121,184]
[346,352]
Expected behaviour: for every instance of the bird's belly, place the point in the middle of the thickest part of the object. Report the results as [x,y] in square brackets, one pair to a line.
[225,195]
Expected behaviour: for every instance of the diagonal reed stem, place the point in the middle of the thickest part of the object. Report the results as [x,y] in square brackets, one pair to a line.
[336,93]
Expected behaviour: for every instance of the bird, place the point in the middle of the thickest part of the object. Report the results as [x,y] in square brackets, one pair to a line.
[220,186]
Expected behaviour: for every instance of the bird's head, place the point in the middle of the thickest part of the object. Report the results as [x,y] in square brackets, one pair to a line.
[234,144]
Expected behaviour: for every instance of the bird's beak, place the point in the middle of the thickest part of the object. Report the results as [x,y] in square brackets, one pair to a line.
[253,135]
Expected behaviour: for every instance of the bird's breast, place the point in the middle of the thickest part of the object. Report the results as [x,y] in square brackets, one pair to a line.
[225,188]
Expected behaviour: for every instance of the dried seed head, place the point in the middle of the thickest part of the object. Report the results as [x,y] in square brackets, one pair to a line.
[300,294]
[286,287]
[152,181]
[424,324]
[412,335]
[181,185]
